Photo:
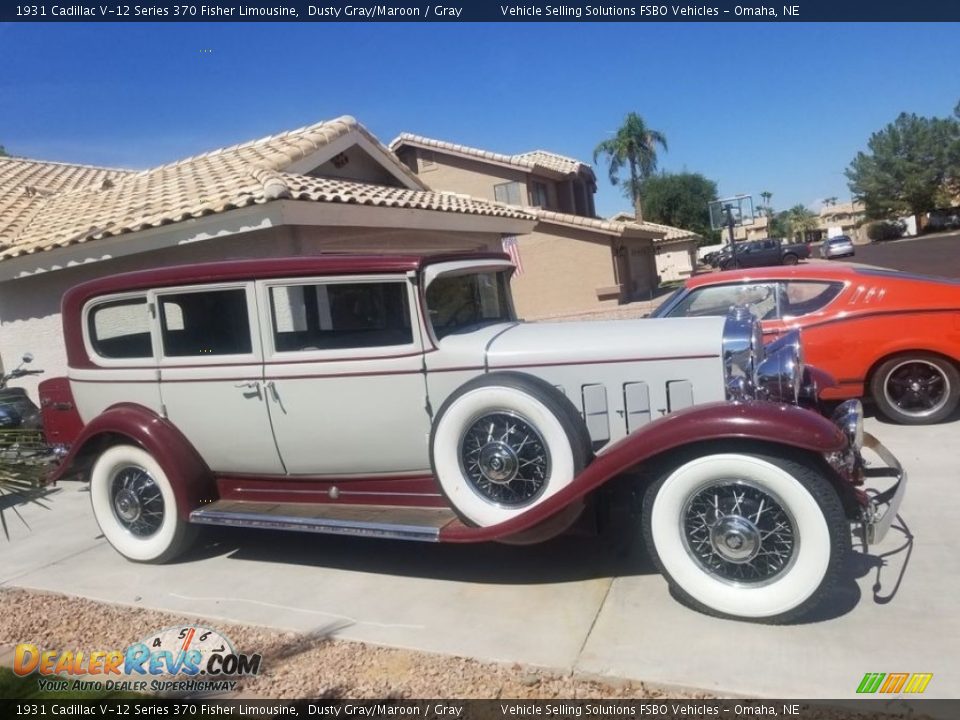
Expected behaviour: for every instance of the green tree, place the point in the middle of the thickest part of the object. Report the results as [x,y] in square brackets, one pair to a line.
[766,207]
[634,147]
[909,166]
[3,151]
[680,200]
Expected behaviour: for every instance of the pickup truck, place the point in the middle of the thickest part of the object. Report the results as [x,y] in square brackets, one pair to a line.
[757,253]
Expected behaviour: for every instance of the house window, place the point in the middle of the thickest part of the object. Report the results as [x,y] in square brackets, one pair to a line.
[507,193]
[121,329]
[203,323]
[538,194]
[335,316]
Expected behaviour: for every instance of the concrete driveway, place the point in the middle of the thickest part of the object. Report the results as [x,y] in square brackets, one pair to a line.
[573,604]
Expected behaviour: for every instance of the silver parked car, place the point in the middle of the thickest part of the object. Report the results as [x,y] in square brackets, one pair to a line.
[839,246]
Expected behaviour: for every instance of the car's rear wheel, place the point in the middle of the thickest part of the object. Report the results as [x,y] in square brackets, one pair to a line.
[503,443]
[135,507]
[746,535]
[790,259]
[916,389]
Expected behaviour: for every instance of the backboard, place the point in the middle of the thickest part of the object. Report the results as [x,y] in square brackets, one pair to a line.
[740,209]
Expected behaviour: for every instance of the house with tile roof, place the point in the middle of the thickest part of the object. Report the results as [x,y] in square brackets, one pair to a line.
[328,187]
[572,261]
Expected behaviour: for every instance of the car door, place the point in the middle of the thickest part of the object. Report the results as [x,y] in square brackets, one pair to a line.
[806,305]
[344,375]
[211,371]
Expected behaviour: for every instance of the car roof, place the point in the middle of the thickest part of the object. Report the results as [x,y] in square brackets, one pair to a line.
[811,271]
[807,271]
[265,268]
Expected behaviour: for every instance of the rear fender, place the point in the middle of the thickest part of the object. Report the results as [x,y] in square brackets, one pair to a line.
[192,481]
[771,423]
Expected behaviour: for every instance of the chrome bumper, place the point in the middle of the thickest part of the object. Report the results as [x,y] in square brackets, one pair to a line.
[883,507]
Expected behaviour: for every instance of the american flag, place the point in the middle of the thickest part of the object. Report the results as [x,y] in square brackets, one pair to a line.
[512,248]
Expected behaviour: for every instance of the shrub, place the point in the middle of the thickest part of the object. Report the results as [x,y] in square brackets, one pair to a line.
[885,230]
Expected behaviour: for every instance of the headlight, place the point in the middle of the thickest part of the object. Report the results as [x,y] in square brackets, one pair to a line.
[742,352]
[849,417]
[780,375]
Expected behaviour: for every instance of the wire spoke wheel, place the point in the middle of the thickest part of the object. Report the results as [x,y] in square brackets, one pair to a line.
[137,501]
[504,459]
[739,533]
[917,388]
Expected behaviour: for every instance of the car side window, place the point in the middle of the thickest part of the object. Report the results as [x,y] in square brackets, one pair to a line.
[761,298]
[202,323]
[328,316]
[120,329]
[804,297]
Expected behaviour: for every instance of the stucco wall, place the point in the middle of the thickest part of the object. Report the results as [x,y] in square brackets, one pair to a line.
[674,261]
[30,307]
[460,175]
[562,270]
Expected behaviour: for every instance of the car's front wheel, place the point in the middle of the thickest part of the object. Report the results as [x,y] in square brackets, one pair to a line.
[916,389]
[790,259]
[746,535]
[135,507]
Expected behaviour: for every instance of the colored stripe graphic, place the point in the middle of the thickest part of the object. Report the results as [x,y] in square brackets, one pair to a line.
[918,682]
[894,682]
[870,682]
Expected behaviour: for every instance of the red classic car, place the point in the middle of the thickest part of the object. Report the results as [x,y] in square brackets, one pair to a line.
[892,336]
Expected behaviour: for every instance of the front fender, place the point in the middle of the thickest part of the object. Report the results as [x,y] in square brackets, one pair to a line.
[189,475]
[764,421]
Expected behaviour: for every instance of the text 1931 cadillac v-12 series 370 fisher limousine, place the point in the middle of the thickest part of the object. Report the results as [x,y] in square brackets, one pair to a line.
[398,396]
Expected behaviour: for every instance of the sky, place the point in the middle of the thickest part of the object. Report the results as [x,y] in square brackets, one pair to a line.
[756,107]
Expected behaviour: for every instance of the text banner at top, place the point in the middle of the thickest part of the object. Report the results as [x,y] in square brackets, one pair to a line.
[487,11]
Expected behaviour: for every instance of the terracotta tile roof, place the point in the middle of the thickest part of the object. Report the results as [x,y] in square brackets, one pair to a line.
[536,160]
[608,227]
[214,182]
[26,184]
[669,232]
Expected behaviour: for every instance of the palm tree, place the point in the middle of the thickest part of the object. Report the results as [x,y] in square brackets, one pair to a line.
[799,220]
[767,195]
[634,146]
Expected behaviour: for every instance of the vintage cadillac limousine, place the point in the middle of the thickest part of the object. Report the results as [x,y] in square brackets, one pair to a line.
[399,397]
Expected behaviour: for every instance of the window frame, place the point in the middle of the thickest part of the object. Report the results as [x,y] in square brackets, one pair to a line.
[272,355]
[508,183]
[781,294]
[100,360]
[254,356]
[775,287]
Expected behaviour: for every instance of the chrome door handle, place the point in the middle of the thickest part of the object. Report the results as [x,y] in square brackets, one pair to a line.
[251,385]
[271,386]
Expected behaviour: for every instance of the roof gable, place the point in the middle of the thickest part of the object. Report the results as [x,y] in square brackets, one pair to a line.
[535,161]
[92,203]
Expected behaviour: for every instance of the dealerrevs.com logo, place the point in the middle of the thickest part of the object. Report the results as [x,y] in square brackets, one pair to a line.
[894,683]
[205,657]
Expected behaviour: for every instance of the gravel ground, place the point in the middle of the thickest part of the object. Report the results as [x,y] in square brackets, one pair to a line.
[298,666]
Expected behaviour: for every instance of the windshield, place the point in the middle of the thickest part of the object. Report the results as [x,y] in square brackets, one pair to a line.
[460,302]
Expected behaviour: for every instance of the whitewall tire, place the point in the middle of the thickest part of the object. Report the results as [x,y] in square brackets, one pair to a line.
[134,505]
[503,443]
[748,536]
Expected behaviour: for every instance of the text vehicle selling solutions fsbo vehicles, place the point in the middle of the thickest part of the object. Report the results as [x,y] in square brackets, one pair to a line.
[399,397]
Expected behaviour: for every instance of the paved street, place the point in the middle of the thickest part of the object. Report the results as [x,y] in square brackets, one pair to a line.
[933,255]
[572,604]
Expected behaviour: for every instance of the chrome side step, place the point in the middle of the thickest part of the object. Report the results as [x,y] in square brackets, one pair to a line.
[398,523]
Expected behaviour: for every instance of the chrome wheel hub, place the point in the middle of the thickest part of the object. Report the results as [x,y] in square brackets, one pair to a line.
[137,501]
[738,532]
[498,463]
[127,506]
[735,539]
[504,459]
[917,388]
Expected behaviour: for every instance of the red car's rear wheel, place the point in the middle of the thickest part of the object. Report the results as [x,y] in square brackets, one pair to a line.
[916,389]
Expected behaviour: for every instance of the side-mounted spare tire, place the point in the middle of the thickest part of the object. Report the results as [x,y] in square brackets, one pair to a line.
[504,442]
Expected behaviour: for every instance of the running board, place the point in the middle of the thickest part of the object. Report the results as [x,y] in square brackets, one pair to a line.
[399,523]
